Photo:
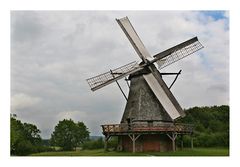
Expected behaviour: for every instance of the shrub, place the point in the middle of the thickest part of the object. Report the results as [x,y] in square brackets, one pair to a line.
[93,144]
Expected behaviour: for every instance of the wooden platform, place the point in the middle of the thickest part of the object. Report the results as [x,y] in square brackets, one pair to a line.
[134,131]
[123,129]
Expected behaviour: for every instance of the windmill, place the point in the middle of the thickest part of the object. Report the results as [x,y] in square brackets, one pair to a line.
[148,121]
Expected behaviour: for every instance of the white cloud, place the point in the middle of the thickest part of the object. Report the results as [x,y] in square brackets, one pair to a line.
[23,101]
[71,115]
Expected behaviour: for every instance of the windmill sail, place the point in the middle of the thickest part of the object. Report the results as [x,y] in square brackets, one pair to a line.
[164,96]
[177,52]
[107,78]
[133,38]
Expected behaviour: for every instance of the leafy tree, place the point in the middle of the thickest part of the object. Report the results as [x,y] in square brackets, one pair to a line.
[82,134]
[32,133]
[25,138]
[68,134]
[17,135]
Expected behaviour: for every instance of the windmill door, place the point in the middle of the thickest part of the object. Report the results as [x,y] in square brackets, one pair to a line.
[151,143]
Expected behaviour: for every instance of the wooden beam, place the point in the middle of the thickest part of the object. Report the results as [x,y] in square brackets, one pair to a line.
[134,148]
[106,143]
[175,79]
[138,136]
[134,138]
[181,142]
[191,142]
[130,136]
[119,85]
[120,143]
[173,137]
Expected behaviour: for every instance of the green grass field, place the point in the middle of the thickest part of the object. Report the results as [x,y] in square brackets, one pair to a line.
[100,152]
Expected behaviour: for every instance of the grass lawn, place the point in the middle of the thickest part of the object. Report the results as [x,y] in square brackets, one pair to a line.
[100,152]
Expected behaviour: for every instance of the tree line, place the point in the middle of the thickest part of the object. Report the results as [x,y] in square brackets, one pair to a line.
[26,139]
[211,126]
[211,130]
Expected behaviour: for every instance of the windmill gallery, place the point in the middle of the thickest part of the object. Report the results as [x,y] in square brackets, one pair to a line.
[148,121]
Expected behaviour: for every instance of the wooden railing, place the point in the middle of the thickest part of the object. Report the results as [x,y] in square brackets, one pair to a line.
[163,127]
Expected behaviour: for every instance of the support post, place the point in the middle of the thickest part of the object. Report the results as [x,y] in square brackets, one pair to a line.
[119,86]
[134,138]
[120,146]
[191,142]
[173,145]
[175,79]
[134,148]
[173,137]
[181,142]
[106,143]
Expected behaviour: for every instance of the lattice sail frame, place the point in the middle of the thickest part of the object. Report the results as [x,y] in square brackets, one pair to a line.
[104,79]
[179,53]
[168,57]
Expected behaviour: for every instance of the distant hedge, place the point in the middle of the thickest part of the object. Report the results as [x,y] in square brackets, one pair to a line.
[99,143]
[93,144]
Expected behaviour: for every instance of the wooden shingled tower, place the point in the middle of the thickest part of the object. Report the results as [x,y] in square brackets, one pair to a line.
[148,121]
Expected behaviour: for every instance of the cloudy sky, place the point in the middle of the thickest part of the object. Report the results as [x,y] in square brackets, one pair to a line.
[54,52]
